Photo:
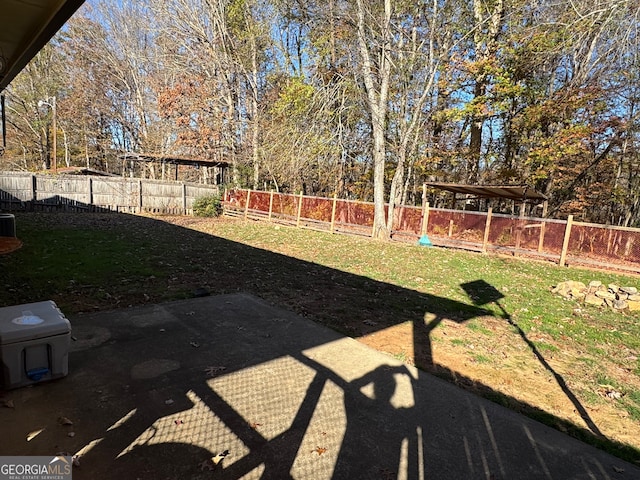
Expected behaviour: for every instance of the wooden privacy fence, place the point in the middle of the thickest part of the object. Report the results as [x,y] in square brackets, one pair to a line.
[25,191]
[564,241]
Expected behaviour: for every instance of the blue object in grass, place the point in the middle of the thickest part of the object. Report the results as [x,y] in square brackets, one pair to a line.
[424,241]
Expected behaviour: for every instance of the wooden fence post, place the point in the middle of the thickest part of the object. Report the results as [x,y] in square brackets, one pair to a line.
[139,196]
[89,193]
[299,210]
[450,228]
[34,192]
[543,225]
[270,204]
[519,229]
[184,198]
[487,226]
[565,244]
[333,213]
[246,206]
[425,219]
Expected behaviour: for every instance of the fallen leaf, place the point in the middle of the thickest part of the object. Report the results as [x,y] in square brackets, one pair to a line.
[212,371]
[34,434]
[255,425]
[194,344]
[219,457]
[75,459]
[618,469]
[64,421]
[178,422]
[609,391]
[320,450]
[7,403]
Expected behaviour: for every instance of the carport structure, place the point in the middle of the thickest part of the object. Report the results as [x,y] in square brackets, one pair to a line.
[212,172]
[517,193]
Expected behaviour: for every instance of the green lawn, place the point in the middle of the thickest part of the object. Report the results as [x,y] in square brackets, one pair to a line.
[88,262]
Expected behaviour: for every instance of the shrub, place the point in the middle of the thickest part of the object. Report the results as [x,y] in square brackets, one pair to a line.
[209,206]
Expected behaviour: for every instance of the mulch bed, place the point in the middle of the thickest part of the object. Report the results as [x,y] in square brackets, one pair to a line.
[9,244]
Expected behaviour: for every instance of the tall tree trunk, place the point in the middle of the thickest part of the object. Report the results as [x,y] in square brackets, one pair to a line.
[485,40]
[377,89]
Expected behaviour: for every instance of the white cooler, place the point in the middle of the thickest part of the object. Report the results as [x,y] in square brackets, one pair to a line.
[34,344]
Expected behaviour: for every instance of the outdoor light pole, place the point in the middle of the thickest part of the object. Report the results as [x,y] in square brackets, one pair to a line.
[52,104]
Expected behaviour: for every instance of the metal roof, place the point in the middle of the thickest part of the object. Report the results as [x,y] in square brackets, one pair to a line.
[176,160]
[25,27]
[512,192]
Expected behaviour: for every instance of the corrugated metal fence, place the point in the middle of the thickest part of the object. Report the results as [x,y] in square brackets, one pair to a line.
[563,241]
[25,191]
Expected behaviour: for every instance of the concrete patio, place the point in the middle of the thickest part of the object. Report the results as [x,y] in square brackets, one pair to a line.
[155,392]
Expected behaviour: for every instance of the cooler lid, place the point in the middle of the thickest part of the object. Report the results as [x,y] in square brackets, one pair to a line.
[29,321]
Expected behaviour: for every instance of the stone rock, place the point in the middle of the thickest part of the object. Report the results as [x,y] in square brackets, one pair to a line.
[634,306]
[569,288]
[620,304]
[576,295]
[605,295]
[591,299]
[599,295]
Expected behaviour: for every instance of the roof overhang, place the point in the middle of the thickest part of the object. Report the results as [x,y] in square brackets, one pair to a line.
[25,27]
[519,193]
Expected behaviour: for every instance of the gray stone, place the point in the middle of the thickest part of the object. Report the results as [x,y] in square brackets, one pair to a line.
[629,290]
[591,299]
[634,298]
[595,284]
[620,304]
[605,295]
[569,288]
